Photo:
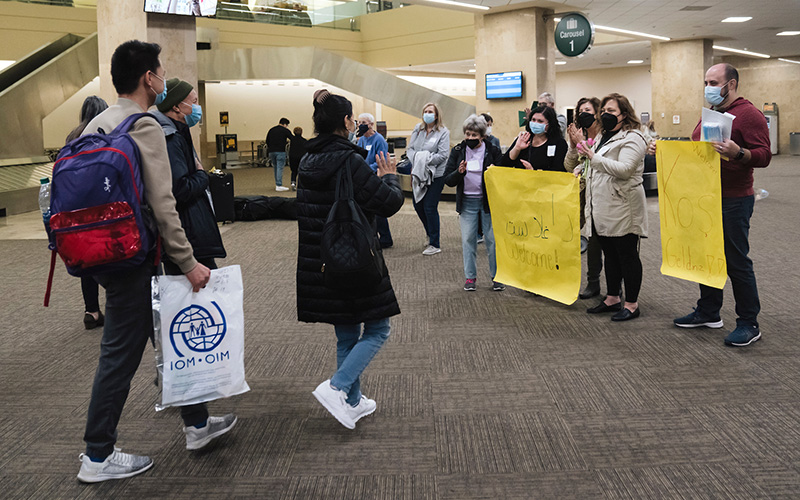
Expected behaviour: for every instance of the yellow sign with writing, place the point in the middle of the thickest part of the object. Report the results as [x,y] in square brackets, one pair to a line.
[690,208]
[536,221]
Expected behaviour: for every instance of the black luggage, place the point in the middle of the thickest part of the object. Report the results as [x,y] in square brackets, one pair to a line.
[252,208]
[221,185]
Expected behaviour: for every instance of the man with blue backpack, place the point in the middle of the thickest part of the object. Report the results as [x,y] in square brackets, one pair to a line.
[140,82]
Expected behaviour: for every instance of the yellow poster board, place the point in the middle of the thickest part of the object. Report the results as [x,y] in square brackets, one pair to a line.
[690,209]
[536,222]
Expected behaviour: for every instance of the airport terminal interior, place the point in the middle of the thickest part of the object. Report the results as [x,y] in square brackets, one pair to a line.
[480,395]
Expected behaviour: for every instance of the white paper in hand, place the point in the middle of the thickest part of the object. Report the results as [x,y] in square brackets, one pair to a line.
[474,166]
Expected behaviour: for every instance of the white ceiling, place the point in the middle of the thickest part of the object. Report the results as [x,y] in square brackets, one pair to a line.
[669,18]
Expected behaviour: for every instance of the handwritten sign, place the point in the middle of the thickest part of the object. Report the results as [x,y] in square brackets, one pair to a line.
[690,208]
[536,221]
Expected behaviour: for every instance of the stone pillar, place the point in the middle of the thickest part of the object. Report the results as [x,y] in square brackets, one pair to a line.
[121,20]
[517,40]
[677,73]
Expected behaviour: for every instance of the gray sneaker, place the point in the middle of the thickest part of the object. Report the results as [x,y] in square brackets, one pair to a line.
[215,427]
[118,465]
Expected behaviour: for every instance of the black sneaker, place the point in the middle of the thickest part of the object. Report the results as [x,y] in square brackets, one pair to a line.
[695,320]
[743,336]
[497,286]
[470,285]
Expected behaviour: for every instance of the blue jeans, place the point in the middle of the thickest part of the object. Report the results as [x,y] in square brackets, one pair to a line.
[354,351]
[278,160]
[736,213]
[472,212]
[428,210]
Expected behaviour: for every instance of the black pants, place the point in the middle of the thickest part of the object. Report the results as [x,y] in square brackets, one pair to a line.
[90,290]
[384,234]
[622,263]
[594,260]
[736,213]
[128,327]
[294,166]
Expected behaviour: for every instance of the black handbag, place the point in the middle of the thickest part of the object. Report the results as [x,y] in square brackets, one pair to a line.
[351,254]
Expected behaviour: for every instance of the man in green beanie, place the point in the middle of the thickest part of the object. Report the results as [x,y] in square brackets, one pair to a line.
[176,114]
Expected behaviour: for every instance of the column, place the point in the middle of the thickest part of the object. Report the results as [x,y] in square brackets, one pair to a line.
[517,40]
[121,20]
[677,73]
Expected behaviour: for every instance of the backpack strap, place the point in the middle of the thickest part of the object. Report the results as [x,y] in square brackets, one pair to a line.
[128,123]
[50,279]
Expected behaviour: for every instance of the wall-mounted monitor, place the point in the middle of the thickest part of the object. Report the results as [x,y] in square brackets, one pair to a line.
[203,8]
[506,85]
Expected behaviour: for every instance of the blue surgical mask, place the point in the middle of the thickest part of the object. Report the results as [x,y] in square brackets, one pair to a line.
[537,128]
[428,118]
[195,116]
[714,95]
[163,95]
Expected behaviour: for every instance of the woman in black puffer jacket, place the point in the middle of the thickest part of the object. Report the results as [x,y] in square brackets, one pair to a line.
[346,311]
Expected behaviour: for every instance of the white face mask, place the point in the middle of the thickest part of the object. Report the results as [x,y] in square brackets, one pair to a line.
[489,130]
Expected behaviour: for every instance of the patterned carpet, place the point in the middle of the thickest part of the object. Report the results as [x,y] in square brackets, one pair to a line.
[480,395]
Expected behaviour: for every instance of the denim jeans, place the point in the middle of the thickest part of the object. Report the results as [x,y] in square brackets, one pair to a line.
[428,210]
[736,213]
[472,212]
[354,351]
[278,160]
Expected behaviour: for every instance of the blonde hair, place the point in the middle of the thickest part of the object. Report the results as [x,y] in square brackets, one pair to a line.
[437,121]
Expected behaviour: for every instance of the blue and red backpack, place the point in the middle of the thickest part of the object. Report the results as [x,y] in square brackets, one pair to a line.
[100,222]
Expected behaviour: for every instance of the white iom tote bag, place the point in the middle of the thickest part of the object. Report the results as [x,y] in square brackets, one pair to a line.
[199,338]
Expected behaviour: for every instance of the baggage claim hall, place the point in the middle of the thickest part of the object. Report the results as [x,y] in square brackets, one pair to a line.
[506,386]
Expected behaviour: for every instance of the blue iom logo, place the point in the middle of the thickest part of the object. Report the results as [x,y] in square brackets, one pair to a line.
[196,328]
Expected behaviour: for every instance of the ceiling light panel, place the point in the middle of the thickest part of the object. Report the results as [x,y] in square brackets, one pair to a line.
[736,19]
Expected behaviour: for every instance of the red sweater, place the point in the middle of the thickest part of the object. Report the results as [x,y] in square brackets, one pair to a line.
[749,131]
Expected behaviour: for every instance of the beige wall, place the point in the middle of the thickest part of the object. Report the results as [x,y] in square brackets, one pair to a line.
[58,124]
[26,27]
[632,82]
[678,71]
[767,81]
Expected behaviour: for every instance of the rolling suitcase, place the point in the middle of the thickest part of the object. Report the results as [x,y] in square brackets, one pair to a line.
[221,185]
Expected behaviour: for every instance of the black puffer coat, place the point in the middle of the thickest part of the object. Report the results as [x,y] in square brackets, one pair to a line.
[189,188]
[375,195]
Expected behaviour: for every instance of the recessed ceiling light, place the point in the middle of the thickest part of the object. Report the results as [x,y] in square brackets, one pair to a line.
[629,32]
[744,52]
[635,61]
[561,63]
[788,60]
[5,63]
[472,70]
[788,33]
[460,4]
[736,19]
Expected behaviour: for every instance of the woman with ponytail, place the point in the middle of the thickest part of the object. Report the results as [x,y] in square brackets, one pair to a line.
[360,316]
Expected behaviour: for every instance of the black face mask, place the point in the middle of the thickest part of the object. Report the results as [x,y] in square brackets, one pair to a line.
[473,143]
[362,129]
[585,120]
[609,121]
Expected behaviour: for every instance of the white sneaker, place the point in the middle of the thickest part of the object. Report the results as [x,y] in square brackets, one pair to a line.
[215,427]
[335,402]
[294,186]
[281,188]
[118,465]
[364,407]
[431,250]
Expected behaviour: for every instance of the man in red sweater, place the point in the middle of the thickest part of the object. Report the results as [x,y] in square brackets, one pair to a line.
[747,148]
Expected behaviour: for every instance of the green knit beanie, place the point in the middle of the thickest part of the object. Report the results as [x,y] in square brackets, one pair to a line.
[177,90]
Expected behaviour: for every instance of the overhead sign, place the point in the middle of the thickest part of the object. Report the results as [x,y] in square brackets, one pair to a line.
[224,120]
[574,34]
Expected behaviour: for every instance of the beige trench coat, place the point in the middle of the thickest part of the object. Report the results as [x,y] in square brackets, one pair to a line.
[615,198]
